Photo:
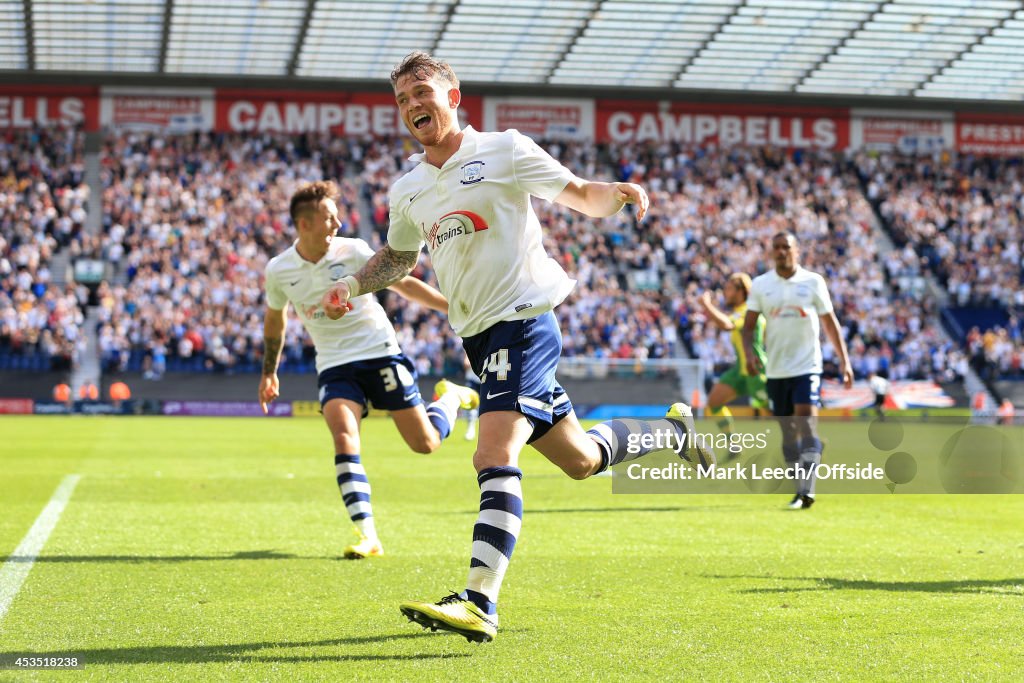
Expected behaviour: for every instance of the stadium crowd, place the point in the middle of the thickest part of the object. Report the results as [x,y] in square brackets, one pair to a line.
[709,208]
[962,216]
[190,221]
[189,224]
[638,283]
[43,204]
[963,219]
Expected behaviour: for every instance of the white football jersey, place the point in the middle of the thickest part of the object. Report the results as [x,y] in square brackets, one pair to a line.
[484,239]
[363,333]
[791,308]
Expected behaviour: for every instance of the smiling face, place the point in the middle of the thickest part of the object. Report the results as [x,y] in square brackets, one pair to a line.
[315,217]
[319,225]
[428,106]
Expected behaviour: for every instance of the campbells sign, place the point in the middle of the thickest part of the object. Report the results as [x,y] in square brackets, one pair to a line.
[28,106]
[339,113]
[625,121]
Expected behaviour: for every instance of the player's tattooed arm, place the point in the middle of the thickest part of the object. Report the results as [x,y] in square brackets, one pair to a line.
[271,354]
[273,339]
[385,268]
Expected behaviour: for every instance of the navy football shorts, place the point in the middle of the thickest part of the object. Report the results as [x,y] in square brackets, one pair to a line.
[787,392]
[389,383]
[516,362]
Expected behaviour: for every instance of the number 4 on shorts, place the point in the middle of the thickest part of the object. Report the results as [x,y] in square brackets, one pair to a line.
[498,363]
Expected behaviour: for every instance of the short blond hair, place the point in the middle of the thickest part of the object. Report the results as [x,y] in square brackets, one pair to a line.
[742,281]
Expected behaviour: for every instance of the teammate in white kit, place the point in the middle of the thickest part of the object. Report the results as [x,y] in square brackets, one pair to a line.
[793,300]
[357,358]
[468,200]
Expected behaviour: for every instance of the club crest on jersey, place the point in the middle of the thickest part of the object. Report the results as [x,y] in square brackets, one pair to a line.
[454,224]
[472,172]
[336,271]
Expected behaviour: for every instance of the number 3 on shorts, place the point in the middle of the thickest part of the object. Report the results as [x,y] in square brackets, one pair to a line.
[390,381]
[393,380]
[498,363]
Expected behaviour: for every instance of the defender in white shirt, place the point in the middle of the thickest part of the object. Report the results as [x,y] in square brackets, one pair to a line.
[793,301]
[468,200]
[357,358]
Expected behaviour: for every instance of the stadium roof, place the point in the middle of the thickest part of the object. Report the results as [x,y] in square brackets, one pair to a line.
[971,49]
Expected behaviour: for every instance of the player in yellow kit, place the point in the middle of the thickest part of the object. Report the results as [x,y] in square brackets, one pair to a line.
[736,381]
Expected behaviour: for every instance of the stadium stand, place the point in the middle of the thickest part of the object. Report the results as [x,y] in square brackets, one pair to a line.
[709,207]
[961,215]
[189,222]
[961,218]
[638,284]
[43,204]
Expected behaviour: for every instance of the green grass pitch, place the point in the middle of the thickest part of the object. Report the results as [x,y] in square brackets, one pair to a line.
[209,549]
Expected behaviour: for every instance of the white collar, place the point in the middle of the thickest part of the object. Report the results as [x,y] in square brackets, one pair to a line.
[304,260]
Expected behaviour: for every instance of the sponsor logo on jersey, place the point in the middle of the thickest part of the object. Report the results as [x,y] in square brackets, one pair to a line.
[472,172]
[452,225]
[789,312]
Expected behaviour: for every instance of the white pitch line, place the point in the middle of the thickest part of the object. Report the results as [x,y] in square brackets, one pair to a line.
[14,571]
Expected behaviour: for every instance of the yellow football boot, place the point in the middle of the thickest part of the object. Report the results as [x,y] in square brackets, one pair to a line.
[454,614]
[468,399]
[366,547]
